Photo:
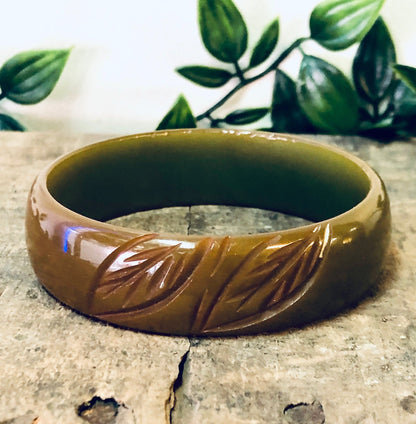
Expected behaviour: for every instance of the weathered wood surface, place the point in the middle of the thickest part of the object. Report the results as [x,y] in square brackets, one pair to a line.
[357,368]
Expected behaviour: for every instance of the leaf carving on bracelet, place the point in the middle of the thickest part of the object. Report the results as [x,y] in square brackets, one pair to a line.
[258,292]
[142,280]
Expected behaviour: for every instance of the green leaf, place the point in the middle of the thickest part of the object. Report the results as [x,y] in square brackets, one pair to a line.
[179,116]
[400,120]
[402,92]
[223,30]
[205,76]
[29,77]
[404,101]
[337,24]
[246,116]
[404,116]
[407,74]
[265,46]
[372,68]
[327,97]
[287,115]
[7,123]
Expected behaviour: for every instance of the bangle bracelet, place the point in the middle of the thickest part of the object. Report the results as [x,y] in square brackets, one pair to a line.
[208,285]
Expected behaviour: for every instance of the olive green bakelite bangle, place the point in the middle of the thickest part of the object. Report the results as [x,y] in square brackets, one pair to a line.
[208,285]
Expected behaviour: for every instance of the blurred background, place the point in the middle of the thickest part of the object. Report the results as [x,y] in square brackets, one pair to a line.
[120,76]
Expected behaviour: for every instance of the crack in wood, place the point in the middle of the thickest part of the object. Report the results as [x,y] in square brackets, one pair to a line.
[171,401]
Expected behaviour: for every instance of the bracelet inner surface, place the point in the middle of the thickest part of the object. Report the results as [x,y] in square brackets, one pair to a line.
[119,177]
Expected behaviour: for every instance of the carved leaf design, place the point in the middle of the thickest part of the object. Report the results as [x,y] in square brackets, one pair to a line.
[133,276]
[141,279]
[206,304]
[141,282]
[257,293]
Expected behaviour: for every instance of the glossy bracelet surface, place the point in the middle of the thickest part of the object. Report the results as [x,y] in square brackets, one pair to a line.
[207,285]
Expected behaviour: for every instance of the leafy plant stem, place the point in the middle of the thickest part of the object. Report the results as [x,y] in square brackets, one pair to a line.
[246,81]
[239,72]
[380,101]
[214,121]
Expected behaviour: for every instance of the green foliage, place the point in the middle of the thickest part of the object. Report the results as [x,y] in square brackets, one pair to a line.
[246,116]
[205,76]
[320,87]
[375,81]
[372,67]
[179,116]
[338,24]
[407,74]
[265,46]
[287,115]
[28,78]
[7,123]
[223,29]
[379,102]
[404,100]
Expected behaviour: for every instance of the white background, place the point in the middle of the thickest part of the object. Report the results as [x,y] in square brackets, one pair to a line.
[120,75]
